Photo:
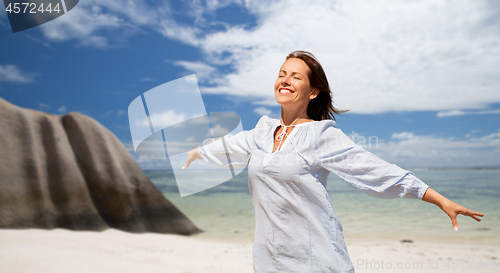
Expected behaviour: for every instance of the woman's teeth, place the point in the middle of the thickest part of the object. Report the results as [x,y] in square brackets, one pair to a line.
[285,91]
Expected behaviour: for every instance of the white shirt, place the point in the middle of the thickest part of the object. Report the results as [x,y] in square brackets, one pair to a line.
[296,229]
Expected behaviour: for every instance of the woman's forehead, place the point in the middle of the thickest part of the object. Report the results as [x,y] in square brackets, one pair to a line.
[295,65]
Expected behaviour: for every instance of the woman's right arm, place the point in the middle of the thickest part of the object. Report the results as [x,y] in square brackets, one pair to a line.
[230,151]
[192,156]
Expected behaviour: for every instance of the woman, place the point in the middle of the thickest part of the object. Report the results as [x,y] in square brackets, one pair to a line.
[288,164]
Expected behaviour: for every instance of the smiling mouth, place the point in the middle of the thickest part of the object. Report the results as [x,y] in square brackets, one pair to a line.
[285,91]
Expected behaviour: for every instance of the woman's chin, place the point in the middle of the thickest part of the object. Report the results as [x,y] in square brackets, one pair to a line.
[282,100]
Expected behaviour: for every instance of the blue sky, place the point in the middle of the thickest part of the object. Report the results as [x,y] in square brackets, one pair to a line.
[421,78]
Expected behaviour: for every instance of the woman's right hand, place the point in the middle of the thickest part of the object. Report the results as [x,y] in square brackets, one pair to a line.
[192,156]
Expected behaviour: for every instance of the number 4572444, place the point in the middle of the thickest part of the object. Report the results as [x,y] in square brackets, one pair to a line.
[31,8]
[469,264]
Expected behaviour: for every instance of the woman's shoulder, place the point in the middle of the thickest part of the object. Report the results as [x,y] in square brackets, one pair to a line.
[322,126]
[327,123]
[266,121]
[329,136]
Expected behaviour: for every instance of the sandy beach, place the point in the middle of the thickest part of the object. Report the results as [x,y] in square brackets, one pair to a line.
[59,250]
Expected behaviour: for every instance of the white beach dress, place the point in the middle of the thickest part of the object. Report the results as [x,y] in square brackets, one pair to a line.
[296,229]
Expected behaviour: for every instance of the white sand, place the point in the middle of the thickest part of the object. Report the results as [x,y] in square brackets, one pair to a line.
[423,256]
[115,251]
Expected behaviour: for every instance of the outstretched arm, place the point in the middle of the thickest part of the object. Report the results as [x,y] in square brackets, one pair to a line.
[192,156]
[449,207]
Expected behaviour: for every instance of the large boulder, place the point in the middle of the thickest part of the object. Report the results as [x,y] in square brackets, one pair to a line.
[70,172]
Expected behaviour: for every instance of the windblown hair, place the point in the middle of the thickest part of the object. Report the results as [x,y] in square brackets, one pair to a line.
[321,107]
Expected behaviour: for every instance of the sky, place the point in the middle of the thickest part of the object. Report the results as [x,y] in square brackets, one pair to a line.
[421,79]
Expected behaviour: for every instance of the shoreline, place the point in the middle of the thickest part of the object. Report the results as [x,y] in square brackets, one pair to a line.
[59,250]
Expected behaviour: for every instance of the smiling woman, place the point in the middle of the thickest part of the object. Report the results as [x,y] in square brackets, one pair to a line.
[310,72]
[289,160]
[292,88]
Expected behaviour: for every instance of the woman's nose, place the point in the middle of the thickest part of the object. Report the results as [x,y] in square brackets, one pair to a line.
[285,80]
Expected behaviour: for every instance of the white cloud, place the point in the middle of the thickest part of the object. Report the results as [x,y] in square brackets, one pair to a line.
[147,79]
[202,70]
[471,133]
[11,73]
[453,113]
[219,131]
[43,107]
[83,23]
[62,109]
[104,23]
[163,119]
[450,113]
[262,111]
[403,135]
[426,151]
[174,31]
[117,113]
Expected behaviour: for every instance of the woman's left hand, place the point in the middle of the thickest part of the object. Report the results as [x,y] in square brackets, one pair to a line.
[453,209]
[449,207]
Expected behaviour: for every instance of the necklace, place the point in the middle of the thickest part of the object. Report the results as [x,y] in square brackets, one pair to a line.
[280,136]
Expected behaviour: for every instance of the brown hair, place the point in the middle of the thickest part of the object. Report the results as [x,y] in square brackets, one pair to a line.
[321,107]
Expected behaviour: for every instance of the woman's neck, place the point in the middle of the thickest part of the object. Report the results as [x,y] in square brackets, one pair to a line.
[293,117]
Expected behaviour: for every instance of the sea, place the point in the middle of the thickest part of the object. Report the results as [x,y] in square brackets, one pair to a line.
[226,212]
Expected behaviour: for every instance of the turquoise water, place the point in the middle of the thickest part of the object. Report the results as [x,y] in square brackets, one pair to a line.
[226,211]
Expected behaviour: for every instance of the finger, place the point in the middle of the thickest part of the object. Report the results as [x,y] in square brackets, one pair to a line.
[454,222]
[187,165]
[476,213]
[475,218]
[469,212]
[473,214]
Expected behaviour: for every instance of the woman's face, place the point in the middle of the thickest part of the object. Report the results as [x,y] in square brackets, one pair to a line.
[292,88]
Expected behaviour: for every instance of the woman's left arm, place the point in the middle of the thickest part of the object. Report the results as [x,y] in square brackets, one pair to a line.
[451,208]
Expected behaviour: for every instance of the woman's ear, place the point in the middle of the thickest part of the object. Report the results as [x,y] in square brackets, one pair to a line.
[314,93]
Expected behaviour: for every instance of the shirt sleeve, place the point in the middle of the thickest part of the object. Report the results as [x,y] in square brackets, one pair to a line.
[228,151]
[364,170]
[231,150]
